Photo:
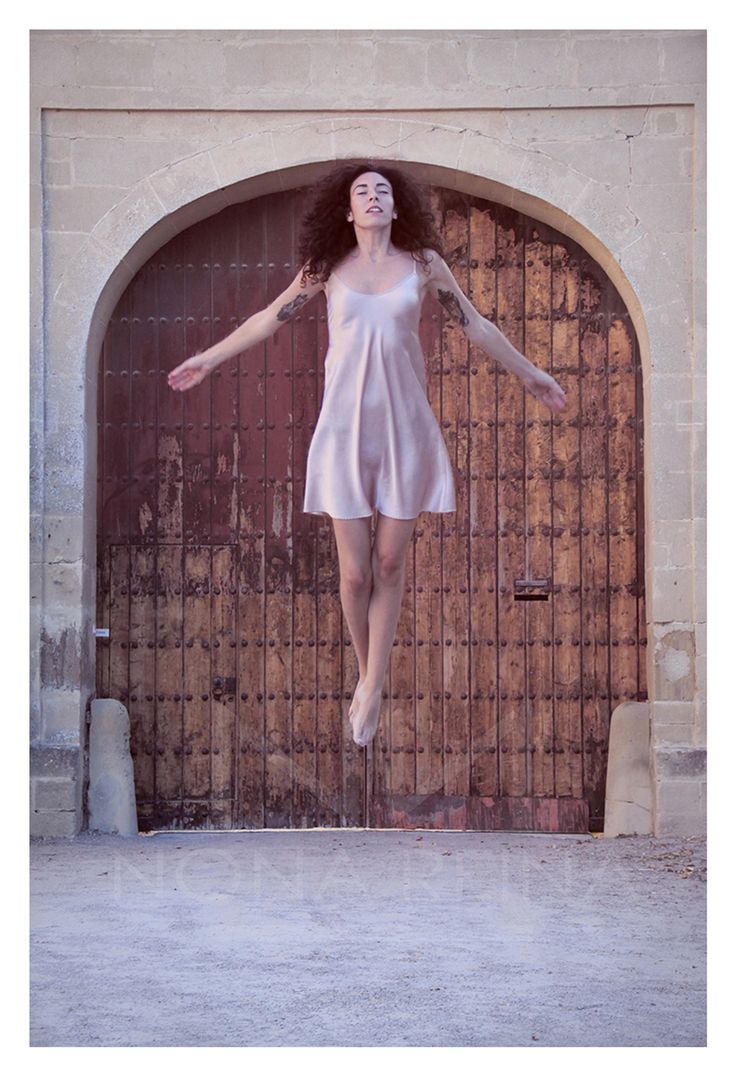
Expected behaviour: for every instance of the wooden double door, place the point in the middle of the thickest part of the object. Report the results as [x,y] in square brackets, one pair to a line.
[522,625]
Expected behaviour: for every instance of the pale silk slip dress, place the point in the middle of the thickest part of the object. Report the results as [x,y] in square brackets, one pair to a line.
[376,443]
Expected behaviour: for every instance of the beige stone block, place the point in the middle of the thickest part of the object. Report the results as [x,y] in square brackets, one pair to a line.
[700,591]
[346,66]
[573,127]
[672,543]
[680,808]
[313,141]
[434,144]
[61,248]
[57,174]
[244,157]
[119,62]
[54,794]
[257,64]
[662,207]
[184,181]
[670,595]
[683,57]
[673,723]
[192,63]
[667,120]
[400,64]
[668,392]
[671,497]
[57,149]
[128,160]
[62,584]
[128,219]
[674,664]
[367,136]
[63,537]
[89,273]
[671,446]
[447,65]
[607,217]
[620,60]
[60,824]
[61,707]
[482,154]
[700,494]
[606,161]
[658,266]
[53,60]
[65,411]
[661,162]
[79,209]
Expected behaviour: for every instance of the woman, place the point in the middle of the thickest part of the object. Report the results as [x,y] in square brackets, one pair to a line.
[368,241]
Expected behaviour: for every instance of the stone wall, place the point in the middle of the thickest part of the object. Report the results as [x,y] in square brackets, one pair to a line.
[137,134]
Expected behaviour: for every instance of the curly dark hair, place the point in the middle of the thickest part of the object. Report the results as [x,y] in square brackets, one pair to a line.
[327,236]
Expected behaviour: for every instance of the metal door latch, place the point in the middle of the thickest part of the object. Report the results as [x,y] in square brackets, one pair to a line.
[522,583]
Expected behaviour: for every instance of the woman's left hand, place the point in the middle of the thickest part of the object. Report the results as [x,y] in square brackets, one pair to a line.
[546,390]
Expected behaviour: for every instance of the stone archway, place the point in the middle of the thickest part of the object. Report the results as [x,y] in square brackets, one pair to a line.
[160,205]
[202,541]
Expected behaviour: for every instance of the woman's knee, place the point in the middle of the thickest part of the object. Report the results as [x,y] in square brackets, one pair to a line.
[388,566]
[356,578]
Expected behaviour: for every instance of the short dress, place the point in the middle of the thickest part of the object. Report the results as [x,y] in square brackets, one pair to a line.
[376,443]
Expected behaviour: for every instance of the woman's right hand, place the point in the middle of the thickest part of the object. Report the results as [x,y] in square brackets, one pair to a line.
[190,373]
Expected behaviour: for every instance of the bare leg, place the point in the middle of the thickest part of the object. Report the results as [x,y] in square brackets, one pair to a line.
[388,561]
[353,538]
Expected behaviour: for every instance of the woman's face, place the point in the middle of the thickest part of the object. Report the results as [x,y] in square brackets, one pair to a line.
[371,201]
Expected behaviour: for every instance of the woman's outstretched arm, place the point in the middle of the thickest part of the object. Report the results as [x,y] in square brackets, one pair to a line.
[255,329]
[486,335]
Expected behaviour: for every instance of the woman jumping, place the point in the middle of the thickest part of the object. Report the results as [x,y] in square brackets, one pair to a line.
[368,241]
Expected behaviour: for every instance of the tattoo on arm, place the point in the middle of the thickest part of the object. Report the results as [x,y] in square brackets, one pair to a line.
[451,304]
[290,309]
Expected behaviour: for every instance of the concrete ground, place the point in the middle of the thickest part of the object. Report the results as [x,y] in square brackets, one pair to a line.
[367,938]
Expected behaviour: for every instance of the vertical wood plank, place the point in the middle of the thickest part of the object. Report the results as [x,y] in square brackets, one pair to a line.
[622,514]
[511,546]
[197,433]
[172,350]
[595,555]
[482,514]
[251,530]
[399,709]
[144,384]
[428,573]
[169,675]
[224,381]
[116,391]
[308,386]
[142,669]
[568,777]
[197,715]
[224,683]
[278,510]
[456,614]
[542,692]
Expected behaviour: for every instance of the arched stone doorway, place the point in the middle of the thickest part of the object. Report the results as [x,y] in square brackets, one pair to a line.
[523,624]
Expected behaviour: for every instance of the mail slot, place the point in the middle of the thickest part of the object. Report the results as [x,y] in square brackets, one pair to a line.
[523,583]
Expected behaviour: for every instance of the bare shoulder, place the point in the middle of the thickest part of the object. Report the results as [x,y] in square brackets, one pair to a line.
[429,267]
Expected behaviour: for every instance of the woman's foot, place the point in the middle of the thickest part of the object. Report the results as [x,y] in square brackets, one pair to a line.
[367,715]
[354,702]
